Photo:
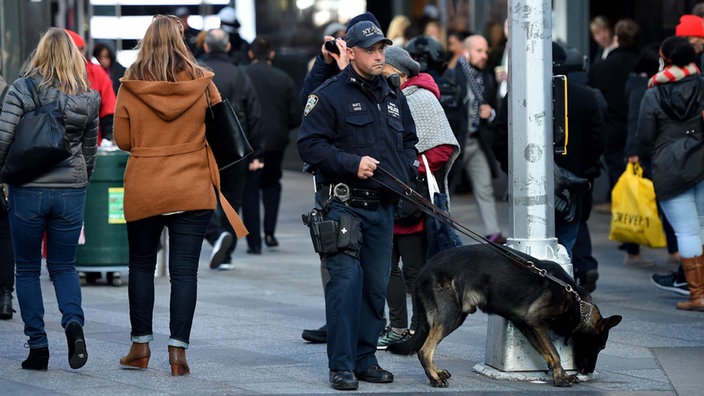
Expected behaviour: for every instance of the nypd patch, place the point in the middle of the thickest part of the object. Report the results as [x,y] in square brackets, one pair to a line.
[310,104]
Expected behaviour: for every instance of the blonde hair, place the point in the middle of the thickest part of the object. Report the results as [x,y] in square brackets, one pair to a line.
[59,63]
[163,53]
[398,26]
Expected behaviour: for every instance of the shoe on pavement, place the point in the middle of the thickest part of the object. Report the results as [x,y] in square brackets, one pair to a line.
[220,248]
[270,240]
[588,280]
[375,374]
[389,336]
[343,380]
[497,238]
[671,282]
[318,336]
[638,261]
[225,267]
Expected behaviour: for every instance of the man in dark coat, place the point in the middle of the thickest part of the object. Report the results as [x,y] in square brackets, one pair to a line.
[235,85]
[279,101]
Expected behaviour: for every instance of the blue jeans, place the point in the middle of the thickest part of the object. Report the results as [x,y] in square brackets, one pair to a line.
[685,212]
[186,232]
[58,212]
[355,295]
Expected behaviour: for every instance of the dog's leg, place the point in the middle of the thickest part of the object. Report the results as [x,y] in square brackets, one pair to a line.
[540,339]
[438,378]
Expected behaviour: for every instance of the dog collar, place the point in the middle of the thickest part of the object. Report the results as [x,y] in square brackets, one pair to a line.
[585,310]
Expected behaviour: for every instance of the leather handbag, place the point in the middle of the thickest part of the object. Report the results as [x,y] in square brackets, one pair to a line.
[225,135]
[39,142]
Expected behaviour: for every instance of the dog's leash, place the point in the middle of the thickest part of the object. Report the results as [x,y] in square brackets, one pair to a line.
[429,208]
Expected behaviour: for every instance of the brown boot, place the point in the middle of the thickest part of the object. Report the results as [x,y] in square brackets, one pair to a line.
[177,360]
[138,357]
[694,272]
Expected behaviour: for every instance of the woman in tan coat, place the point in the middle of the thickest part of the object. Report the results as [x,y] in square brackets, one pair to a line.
[170,181]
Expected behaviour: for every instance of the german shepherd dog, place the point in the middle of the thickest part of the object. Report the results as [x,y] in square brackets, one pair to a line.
[461,280]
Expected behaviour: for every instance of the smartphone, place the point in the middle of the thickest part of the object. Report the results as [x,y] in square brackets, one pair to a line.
[332,47]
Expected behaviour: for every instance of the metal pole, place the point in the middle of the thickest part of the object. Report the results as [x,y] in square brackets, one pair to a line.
[509,355]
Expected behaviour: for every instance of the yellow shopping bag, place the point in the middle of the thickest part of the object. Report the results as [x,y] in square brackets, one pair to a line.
[634,213]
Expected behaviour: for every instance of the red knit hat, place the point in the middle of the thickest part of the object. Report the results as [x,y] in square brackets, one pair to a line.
[78,40]
[690,26]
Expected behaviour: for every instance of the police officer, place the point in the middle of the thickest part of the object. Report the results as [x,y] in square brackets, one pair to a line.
[352,124]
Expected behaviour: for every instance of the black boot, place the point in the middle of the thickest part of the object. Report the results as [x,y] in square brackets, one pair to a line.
[6,304]
[38,359]
[77,354]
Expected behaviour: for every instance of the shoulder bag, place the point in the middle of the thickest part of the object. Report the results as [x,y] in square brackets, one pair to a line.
[224,134]
[39,142]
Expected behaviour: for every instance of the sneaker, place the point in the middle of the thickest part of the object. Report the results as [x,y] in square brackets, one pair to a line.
[670,282]
[389,337]
[220,248]
[225,267]
[497,238]
[638,261]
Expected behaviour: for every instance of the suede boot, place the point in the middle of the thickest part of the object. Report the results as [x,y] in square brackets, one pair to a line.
[38,359]
[177,360]
[137,357]
[77,354]
[694,272]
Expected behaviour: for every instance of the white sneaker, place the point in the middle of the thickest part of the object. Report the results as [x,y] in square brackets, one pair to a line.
[220,248]
[226,267]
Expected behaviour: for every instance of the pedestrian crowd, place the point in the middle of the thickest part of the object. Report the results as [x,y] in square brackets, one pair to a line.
[419,106]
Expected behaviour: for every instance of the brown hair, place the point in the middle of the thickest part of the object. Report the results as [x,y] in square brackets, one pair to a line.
[627,31]
[59,63]
[163,53]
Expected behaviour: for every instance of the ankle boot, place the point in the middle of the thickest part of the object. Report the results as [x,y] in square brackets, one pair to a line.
[177,360]
[77,354]
[38,359]
[137,357]
[6,304]
[694,272]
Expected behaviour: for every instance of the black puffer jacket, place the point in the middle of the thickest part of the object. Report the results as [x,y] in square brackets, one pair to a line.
[81,120]
[670,135]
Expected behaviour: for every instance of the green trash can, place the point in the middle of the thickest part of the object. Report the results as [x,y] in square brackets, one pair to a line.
[105,249]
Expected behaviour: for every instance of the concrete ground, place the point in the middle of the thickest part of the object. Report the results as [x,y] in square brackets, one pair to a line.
[246,336]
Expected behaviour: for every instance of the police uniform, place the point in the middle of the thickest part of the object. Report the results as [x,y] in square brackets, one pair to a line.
[345,119]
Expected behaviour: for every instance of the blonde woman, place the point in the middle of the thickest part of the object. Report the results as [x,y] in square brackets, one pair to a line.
[397,30]
[169,181]
[53,203]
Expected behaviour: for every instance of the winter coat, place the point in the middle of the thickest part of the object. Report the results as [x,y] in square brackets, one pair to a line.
[670,135]
[161,124]
[80,118]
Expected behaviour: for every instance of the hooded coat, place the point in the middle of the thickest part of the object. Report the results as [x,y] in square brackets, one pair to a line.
[161,124]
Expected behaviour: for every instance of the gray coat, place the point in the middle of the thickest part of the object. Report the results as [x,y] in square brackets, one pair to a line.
[81,120]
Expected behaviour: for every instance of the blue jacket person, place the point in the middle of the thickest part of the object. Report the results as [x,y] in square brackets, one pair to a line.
[353,123]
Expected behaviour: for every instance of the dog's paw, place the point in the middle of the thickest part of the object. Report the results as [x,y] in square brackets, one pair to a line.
[439,383]
[444,374]
[565,381]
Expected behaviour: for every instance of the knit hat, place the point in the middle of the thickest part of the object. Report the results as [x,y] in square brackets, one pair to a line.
[690,26]
[78,40]
[402,61]
[367,16]
[228,19]
[365,34]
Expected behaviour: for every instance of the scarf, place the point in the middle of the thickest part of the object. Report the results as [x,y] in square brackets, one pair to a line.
[673,73]
[475,79]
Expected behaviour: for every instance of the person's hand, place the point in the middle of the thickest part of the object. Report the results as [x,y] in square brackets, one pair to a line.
[367,166]
[341,59]
[255,165]
[634,159]
[484,111]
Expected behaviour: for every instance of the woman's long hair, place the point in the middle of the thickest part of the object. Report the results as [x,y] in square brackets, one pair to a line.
[163,53]
[59,63]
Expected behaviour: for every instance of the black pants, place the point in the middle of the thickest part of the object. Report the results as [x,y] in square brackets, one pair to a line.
[270,184]
[250,209]
[7,259]
[411,250]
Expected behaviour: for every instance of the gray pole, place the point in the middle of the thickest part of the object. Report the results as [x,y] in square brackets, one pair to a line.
[531,190]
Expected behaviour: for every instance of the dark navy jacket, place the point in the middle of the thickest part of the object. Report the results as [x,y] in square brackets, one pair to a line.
[345,120]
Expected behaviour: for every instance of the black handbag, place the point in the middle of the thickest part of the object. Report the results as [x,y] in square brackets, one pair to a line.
[39,142]
[225,135]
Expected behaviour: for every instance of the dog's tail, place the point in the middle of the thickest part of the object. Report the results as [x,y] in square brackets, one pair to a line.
[416,341]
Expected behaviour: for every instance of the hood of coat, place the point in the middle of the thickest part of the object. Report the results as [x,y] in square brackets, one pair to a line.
[681,99]
[169,100]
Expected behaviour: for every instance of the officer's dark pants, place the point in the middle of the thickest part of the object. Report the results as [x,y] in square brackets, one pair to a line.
[356,293]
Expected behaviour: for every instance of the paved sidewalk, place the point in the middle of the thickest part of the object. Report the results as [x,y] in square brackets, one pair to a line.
[246,333]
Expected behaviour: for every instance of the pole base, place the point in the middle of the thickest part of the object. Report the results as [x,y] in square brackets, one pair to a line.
[526,376]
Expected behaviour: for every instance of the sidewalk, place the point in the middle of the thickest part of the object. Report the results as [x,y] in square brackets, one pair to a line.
[246,336]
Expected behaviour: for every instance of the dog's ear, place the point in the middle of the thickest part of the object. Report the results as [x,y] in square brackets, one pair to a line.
[611,321]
